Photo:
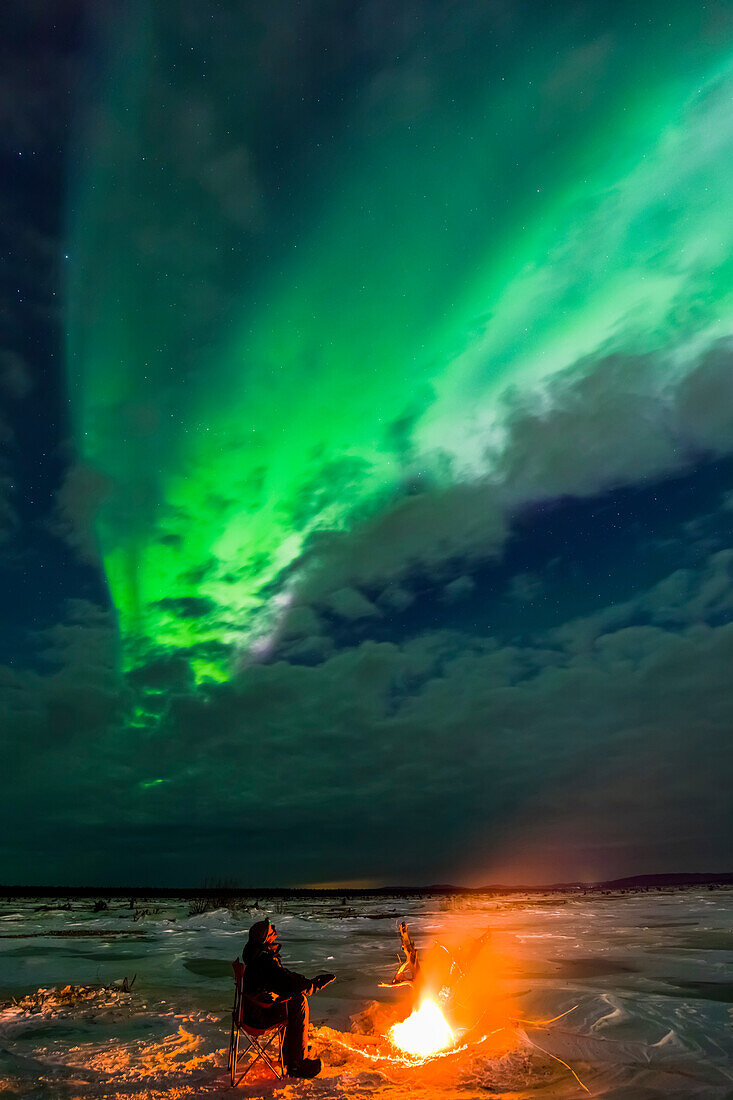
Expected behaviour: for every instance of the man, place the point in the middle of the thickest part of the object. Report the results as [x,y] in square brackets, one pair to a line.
[266,984]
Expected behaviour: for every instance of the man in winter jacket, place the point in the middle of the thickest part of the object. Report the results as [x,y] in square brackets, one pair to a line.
[267,984]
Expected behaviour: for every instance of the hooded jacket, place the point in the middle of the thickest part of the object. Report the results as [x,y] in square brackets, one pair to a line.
[263,972]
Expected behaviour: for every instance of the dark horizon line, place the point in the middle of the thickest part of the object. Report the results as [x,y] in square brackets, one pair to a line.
[224,889]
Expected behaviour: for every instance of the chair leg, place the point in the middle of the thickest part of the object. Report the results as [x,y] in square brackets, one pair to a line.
[235,1054]
[252,1048]
[266,1055]
[257,1050]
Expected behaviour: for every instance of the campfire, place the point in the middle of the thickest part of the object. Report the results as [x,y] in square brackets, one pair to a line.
[482,1020]
[426,1031]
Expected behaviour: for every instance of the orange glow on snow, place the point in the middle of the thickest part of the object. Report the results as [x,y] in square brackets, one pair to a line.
[423,1033]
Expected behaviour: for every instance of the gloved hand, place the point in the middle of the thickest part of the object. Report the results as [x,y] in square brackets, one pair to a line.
[322,980]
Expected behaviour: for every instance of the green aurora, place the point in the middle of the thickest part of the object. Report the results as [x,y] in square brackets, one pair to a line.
[295,296]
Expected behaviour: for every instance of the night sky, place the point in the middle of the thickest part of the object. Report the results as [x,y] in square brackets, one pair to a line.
[366,406]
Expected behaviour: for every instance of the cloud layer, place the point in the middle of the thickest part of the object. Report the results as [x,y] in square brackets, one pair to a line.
[596,746]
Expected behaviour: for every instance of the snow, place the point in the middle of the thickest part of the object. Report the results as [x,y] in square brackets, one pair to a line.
[651,975]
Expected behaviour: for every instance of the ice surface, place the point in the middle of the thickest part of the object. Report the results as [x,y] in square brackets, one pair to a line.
[651,975]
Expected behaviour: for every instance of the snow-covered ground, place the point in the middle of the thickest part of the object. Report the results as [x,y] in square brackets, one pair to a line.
[651,975]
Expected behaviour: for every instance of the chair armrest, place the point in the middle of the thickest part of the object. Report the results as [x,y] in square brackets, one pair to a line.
[263,1002]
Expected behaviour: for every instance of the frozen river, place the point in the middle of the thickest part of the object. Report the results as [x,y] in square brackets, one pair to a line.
[648,977]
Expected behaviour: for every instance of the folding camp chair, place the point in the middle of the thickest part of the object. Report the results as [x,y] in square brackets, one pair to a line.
[258,1039]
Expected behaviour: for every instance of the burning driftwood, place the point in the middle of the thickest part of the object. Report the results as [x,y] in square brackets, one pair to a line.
[456,967]
[409,970]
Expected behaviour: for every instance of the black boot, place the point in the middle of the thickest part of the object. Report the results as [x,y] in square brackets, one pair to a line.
[309,1067]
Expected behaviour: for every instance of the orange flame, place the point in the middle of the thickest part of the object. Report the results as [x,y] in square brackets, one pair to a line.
[423,1033]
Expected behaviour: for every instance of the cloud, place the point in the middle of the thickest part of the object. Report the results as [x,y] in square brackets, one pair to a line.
[67,702]
[688,595]
[525,587]
[188,607]
[704,401]
[620,420]
[458,589]
[470,745]
[349,603]
[468,740]
[77,503]
[395,597]
[615,421]
[599,424]
[421,532]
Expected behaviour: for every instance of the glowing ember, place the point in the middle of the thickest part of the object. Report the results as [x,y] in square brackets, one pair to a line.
[423,1033]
